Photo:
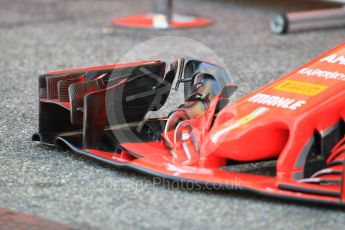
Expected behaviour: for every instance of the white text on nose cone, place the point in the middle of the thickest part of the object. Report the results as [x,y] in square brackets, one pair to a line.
[334,59]
[275,101]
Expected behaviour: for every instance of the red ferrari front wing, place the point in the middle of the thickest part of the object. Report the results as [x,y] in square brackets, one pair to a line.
[284,140]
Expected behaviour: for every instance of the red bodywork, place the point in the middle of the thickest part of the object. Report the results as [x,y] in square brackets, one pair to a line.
[296,121]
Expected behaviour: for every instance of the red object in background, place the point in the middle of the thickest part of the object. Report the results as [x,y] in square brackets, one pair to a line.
[284,140]
[153,21]
[161,18]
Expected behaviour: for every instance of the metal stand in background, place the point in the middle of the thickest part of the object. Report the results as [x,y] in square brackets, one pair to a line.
[161,18]
[308,20]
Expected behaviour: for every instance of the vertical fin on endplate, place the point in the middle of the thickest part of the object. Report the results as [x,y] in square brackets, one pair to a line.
[52,89]
[77,91]
[95,119]
[63,87]
[52,84]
